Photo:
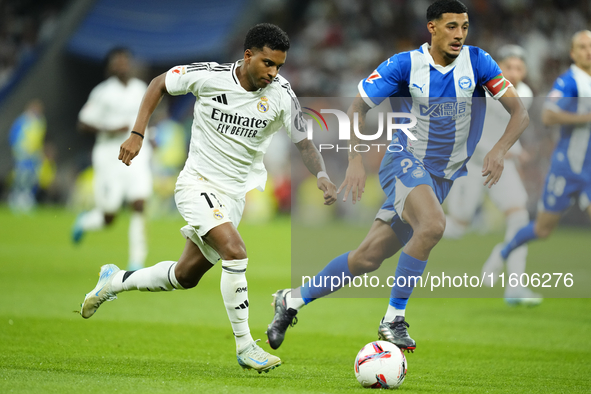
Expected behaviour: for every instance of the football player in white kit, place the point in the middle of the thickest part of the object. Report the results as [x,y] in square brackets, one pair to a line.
[109,113]
[509,194]
[239,107]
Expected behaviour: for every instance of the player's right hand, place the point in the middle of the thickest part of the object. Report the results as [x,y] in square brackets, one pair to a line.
[354,180]
[130,148]
[329,189]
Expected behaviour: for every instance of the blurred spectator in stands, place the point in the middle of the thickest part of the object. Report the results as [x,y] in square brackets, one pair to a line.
[26,139]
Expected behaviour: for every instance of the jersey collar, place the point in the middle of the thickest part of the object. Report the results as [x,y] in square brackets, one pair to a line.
[442,69]
[237,64]
[578,70]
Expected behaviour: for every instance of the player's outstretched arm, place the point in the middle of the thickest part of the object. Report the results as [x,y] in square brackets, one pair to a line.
[355,177]
[315,164]
[494,160]
[553,116]
[131,147]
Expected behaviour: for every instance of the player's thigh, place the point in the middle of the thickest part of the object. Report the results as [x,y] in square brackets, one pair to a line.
[379,244]
[509,192]
[465,196]
[205,208]
[226,241]
[400,174]
[545,223]
[560,187]
[422,210]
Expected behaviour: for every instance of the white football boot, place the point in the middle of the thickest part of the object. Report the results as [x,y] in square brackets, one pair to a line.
[522,296]
[253,357]
[102,291]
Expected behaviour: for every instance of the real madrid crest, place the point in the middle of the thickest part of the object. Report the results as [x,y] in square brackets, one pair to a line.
[217,214]
[263,105]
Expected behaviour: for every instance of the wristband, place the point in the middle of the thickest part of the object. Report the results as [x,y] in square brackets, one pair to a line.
[322,174]
[135,132]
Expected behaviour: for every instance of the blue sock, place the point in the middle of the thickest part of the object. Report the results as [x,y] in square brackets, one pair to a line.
[407,267]
[399,303]
[329,280]
[524,235]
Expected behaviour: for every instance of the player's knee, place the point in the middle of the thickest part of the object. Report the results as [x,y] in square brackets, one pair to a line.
[543,232]
[187,280]
[138,205]
[234,252]
[361,263]
[431,232]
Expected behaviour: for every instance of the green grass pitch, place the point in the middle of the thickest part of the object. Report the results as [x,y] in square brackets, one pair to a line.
[181,342]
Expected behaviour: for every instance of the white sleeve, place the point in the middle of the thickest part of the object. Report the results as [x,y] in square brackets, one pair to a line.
[189,78]
[526,94]
[93,111]
[292,116]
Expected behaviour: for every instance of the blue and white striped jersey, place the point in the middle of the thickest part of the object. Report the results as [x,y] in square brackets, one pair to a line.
[566,95]
[449,121]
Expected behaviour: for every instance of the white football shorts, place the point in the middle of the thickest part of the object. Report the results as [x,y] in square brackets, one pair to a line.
[204,207]
[116,183]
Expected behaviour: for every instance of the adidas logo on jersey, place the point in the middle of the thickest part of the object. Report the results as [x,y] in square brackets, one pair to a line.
[221,99]
[244,305]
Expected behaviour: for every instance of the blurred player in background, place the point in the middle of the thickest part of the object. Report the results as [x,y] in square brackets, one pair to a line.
[239,107]
[569,178]
[442,75]
[109,113]
[509,194]
[26,138]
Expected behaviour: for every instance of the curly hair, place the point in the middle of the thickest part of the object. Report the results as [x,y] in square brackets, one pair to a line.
[266,35]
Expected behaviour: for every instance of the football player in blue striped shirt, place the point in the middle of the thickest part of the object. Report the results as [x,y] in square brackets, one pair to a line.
[438,84]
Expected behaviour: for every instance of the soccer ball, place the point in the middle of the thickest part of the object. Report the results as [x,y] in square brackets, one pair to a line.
[380,365]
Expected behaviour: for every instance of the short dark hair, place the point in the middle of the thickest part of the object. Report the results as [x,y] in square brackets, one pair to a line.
[118,51]
[441,7]
[266,35]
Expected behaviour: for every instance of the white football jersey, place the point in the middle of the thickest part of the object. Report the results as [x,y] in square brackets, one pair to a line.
[112,105]
[495,122]
[232,127]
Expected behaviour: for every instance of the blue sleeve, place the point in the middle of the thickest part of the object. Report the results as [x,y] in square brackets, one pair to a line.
[564,94]
[386,81]
[484,65]
[16,130]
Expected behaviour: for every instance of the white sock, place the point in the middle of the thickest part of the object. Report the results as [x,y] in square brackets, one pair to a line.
[392,312]
[159,277]
[138,249]
[93,220]
[235,294]
[517,259]
[294,299]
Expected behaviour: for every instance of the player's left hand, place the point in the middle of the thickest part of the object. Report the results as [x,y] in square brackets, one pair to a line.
[329,189]
[130,148]
[493,165]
